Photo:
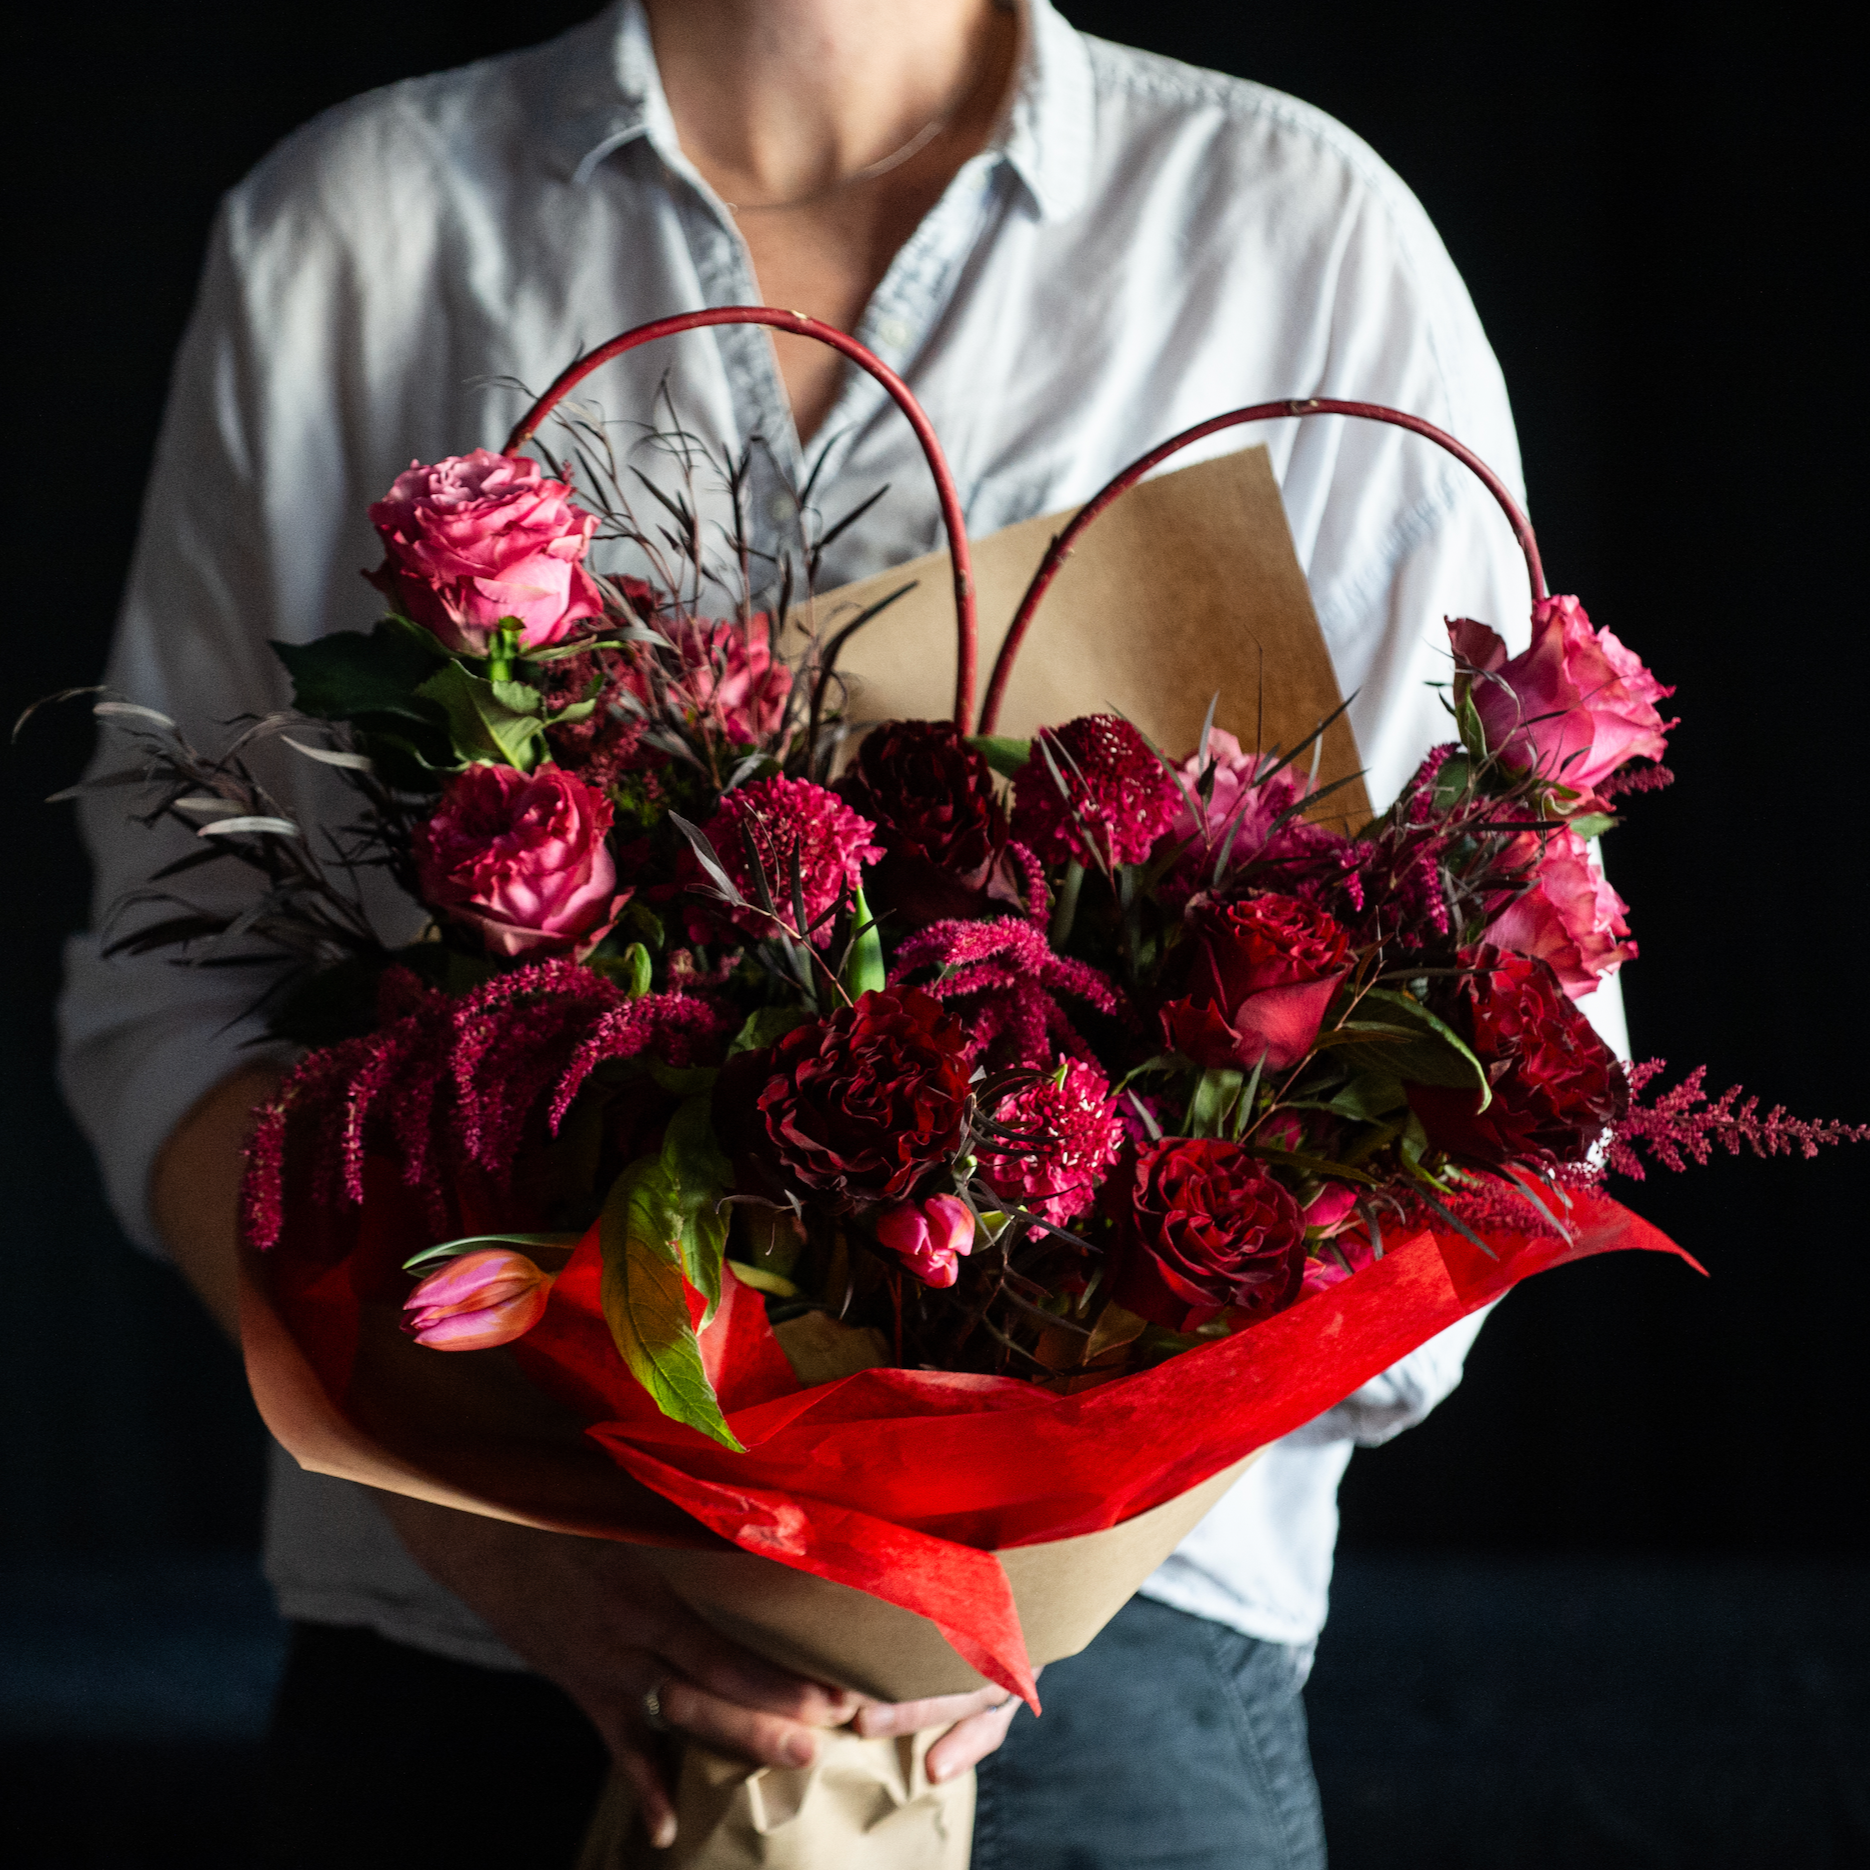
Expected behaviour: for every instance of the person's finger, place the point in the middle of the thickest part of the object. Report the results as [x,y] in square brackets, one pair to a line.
[969,1742]
[658,1807]
[911,1717]
[729,1726]
[707,1659]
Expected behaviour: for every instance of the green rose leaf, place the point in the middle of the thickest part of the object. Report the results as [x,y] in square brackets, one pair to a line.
[1409,1042]
[349,675]
[497,721]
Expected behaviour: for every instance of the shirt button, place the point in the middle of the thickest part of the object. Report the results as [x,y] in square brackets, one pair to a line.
[783,508]
[892,333]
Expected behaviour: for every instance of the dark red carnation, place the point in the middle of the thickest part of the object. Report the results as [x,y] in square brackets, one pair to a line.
[1556,1085]
[942,829]
[1258,976]
[1093,792]
[861,1106]
[1201,1227]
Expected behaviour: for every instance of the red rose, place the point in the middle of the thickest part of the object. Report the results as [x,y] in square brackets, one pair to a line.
[1201,1226]
[522,858]
[1556,1085]
[1260,975]
[861,1106]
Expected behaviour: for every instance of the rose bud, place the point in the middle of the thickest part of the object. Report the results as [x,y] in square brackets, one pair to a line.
[1093,792]
[1259,976]
[484,1298]
[1556,1085]
[930,1238]
[482,537]
[1574,707]
[1335,1260]
[1201,1227]
[1330,1209]
[522,858]
[1570,918]
[861,1106]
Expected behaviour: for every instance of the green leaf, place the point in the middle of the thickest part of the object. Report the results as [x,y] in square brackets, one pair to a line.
[682,1080]
[1213,1097]
[481,720]
[1467,722]
[349,674]
[1002,754]
[1370,1097]
[699,1175]
[1434,1053]
[766,1026]
[762,1281]
[1592,824]
[453,1249]
[1311,1165]
[863,970]
[645,1298]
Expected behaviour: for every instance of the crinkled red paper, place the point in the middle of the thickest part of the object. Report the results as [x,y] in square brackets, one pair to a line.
[902,1483]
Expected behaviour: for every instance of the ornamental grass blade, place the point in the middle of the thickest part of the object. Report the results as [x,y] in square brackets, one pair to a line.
[706,858]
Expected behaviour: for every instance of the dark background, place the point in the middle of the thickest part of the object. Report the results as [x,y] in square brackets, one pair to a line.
[1657,212]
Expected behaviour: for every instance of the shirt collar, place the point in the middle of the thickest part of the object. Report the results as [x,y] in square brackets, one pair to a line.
[610,94]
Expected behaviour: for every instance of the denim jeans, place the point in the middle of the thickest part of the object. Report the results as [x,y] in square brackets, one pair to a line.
[1172,1743]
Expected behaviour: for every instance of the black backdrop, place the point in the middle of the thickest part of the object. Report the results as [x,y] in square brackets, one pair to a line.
[1654,209]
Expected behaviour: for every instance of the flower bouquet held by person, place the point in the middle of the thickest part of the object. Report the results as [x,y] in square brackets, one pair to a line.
[878,1156]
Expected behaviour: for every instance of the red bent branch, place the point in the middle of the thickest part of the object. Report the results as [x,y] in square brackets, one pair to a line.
[966,652]
[1060,548]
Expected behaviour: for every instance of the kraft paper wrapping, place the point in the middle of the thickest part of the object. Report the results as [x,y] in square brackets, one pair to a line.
[470,1432]
[1188,586]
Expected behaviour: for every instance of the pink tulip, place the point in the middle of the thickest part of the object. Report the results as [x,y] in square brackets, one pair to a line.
[482,1299]
[930,1237]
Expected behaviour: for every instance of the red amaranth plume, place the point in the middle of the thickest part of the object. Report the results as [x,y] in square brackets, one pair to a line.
[422,1092]
[1005,972]
[1682,1125]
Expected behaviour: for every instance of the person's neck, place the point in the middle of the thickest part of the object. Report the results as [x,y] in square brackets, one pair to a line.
[776,101]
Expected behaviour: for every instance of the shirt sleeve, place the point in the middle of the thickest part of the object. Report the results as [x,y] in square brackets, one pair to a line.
[244,537]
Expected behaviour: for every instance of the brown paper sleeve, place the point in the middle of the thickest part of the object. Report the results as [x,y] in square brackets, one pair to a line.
[1187,587]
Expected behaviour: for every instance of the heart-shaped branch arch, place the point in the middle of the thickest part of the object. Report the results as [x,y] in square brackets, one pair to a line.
[966,653]
[1060,548]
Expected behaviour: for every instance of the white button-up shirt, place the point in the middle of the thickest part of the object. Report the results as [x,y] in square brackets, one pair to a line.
[1143,245]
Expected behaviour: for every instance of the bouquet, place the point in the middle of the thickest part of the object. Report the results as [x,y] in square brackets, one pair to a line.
[892,1149]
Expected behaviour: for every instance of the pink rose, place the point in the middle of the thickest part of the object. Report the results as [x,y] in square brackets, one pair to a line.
[1574,707]
[480,537]
[522,858]
[1235,805]
[481,1299]
[930,1238]
[1571,917]
[729,675]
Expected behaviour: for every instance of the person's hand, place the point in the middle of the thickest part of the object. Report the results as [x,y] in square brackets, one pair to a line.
[976,1724]
[594,1617]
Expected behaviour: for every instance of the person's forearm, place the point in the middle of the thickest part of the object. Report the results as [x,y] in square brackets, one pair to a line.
[195,1187]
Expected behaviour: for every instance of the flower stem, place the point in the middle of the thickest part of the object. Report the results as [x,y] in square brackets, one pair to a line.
[1065,910]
